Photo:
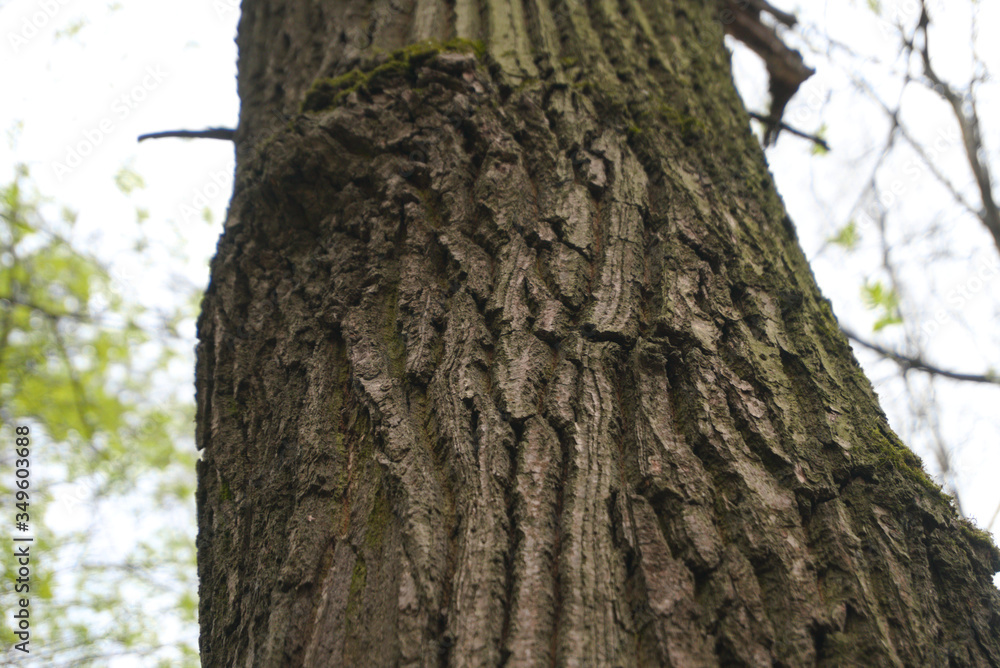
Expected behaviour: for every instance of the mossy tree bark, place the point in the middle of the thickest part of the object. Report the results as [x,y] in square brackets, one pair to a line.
[510,356]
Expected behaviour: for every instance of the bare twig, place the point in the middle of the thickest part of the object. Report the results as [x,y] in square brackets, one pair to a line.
[780,16]
[904,132]
[785,68]
[210,133]
[770,121]
[971,135]
[908,363]
[989,527]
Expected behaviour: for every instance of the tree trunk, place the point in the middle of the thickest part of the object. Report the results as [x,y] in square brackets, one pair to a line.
[511,356]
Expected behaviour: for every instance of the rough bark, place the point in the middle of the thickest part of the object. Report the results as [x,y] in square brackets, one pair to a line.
[510,356]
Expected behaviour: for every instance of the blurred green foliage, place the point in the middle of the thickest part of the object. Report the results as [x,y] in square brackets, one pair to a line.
[885,301]
[112,462]
[846,237]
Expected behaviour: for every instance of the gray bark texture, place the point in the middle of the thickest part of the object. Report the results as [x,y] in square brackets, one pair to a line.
[511,357]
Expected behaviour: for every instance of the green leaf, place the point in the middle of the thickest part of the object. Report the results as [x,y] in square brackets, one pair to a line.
[846,237]
[69,216]
[877,297]
[127,180]
[71,29]
[885,321]
[818,149]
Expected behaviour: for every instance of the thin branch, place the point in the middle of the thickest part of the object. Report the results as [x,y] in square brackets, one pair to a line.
[48,313]
[904,132]
[227,134]
[770,121]
[917,364]
[989,527]
[971,135]
[782,17]
[871,185]
[893,115]
[79,394]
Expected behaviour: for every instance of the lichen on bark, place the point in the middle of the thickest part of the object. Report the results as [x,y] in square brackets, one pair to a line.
[531,369]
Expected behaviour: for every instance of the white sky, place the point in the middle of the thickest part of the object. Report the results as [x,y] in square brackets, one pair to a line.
[146,66]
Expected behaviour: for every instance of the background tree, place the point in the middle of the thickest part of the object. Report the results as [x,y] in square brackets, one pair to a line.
[510,354]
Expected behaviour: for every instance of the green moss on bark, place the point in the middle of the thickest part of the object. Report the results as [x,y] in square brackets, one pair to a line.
[327,93]
[359,578]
